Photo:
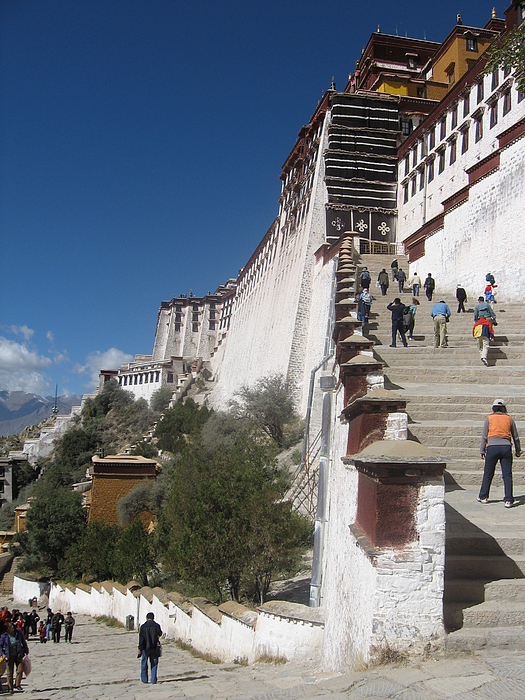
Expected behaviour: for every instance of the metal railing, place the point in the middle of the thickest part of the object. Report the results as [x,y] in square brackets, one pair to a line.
[303,491]
[367,247]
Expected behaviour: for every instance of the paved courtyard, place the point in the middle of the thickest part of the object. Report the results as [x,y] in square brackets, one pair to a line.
[101,663]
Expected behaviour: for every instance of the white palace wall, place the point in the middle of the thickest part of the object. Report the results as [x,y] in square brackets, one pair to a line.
[491,228]
[484,230]
[274,328]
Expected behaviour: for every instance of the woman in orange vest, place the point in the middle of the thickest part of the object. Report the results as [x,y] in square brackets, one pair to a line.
[496,445]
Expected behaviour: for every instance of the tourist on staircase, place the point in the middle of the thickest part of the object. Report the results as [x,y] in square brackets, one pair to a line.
[365,279]
[441,315]
[483,330]
[394,265]
[409,318]
[429,286]
[415,283]
[397,309]
[484,310]
[364,303]
[461,296]
[401,277]
[496,446]
[383,281]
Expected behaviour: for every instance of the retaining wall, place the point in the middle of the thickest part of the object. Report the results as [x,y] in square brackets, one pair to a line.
[230,632]
[23,589]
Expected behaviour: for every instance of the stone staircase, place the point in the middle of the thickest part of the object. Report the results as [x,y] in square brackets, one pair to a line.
[449,392]
[6,587]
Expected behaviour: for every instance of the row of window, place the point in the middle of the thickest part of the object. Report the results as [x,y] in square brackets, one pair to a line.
[142,378]
[441,152]
[428,142]
[195,326]
[195,307]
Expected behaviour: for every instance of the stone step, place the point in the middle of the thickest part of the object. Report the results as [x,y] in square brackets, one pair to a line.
[474,639]
[444,440]
[475,591]
[453,453]
[460,428]
[418,414]
[498,375]
[480,544]
[461,400]
[489,567]
[506,589]
[466,591]
[484,615]
[459,358]
[382,334]
[467,478]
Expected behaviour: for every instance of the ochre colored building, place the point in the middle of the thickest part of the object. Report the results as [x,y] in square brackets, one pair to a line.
[113,477]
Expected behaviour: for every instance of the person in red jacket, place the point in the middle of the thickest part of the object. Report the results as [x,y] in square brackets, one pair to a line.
[499,430]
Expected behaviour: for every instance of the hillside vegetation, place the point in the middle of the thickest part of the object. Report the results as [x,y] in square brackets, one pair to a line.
[222,526]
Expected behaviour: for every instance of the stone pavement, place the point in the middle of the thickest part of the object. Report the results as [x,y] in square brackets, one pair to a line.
[101,663]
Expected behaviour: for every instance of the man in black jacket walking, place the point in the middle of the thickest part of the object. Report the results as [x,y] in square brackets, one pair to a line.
[397,308]
[149,647]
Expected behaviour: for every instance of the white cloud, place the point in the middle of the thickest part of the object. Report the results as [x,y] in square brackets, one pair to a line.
[28,333]
[95,361]
[59,357]
[50,336]
[21,368]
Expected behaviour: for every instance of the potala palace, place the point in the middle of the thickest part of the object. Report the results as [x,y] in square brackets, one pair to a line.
[421,156]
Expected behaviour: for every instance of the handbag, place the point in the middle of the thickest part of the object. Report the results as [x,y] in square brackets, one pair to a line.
[26,665]
[159,649]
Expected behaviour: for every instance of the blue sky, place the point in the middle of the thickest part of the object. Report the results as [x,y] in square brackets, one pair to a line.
[141,143]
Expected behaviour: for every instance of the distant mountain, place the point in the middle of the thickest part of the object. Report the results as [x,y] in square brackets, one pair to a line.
[18,409]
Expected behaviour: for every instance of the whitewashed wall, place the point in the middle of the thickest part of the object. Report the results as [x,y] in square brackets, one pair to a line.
[288,638]
[338,575]
[483,234]
[396,601]
[23,589]
[219,635]
[272,321]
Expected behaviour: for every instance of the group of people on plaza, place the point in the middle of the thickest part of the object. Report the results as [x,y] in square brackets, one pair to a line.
[13,645]
[15,629]
[51,628]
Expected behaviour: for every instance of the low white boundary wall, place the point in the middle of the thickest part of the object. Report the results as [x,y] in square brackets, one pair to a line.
[24,590]
[230,632]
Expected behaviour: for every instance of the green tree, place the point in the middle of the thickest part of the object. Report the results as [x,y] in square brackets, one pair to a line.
[24,474]
[269,404]
[112,396]
[161,398]
[140,498]
[133,555]
[55,522]
[91,558]
[508,52]
[224,519]
[177,423]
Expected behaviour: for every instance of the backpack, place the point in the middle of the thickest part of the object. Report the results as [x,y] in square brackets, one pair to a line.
[407,317]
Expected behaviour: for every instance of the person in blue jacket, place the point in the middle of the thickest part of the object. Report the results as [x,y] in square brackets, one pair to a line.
[17,648]
[441,315]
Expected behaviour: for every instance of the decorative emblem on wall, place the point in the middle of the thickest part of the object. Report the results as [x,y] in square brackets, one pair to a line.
[383,228]
[361,226]
[338,224]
